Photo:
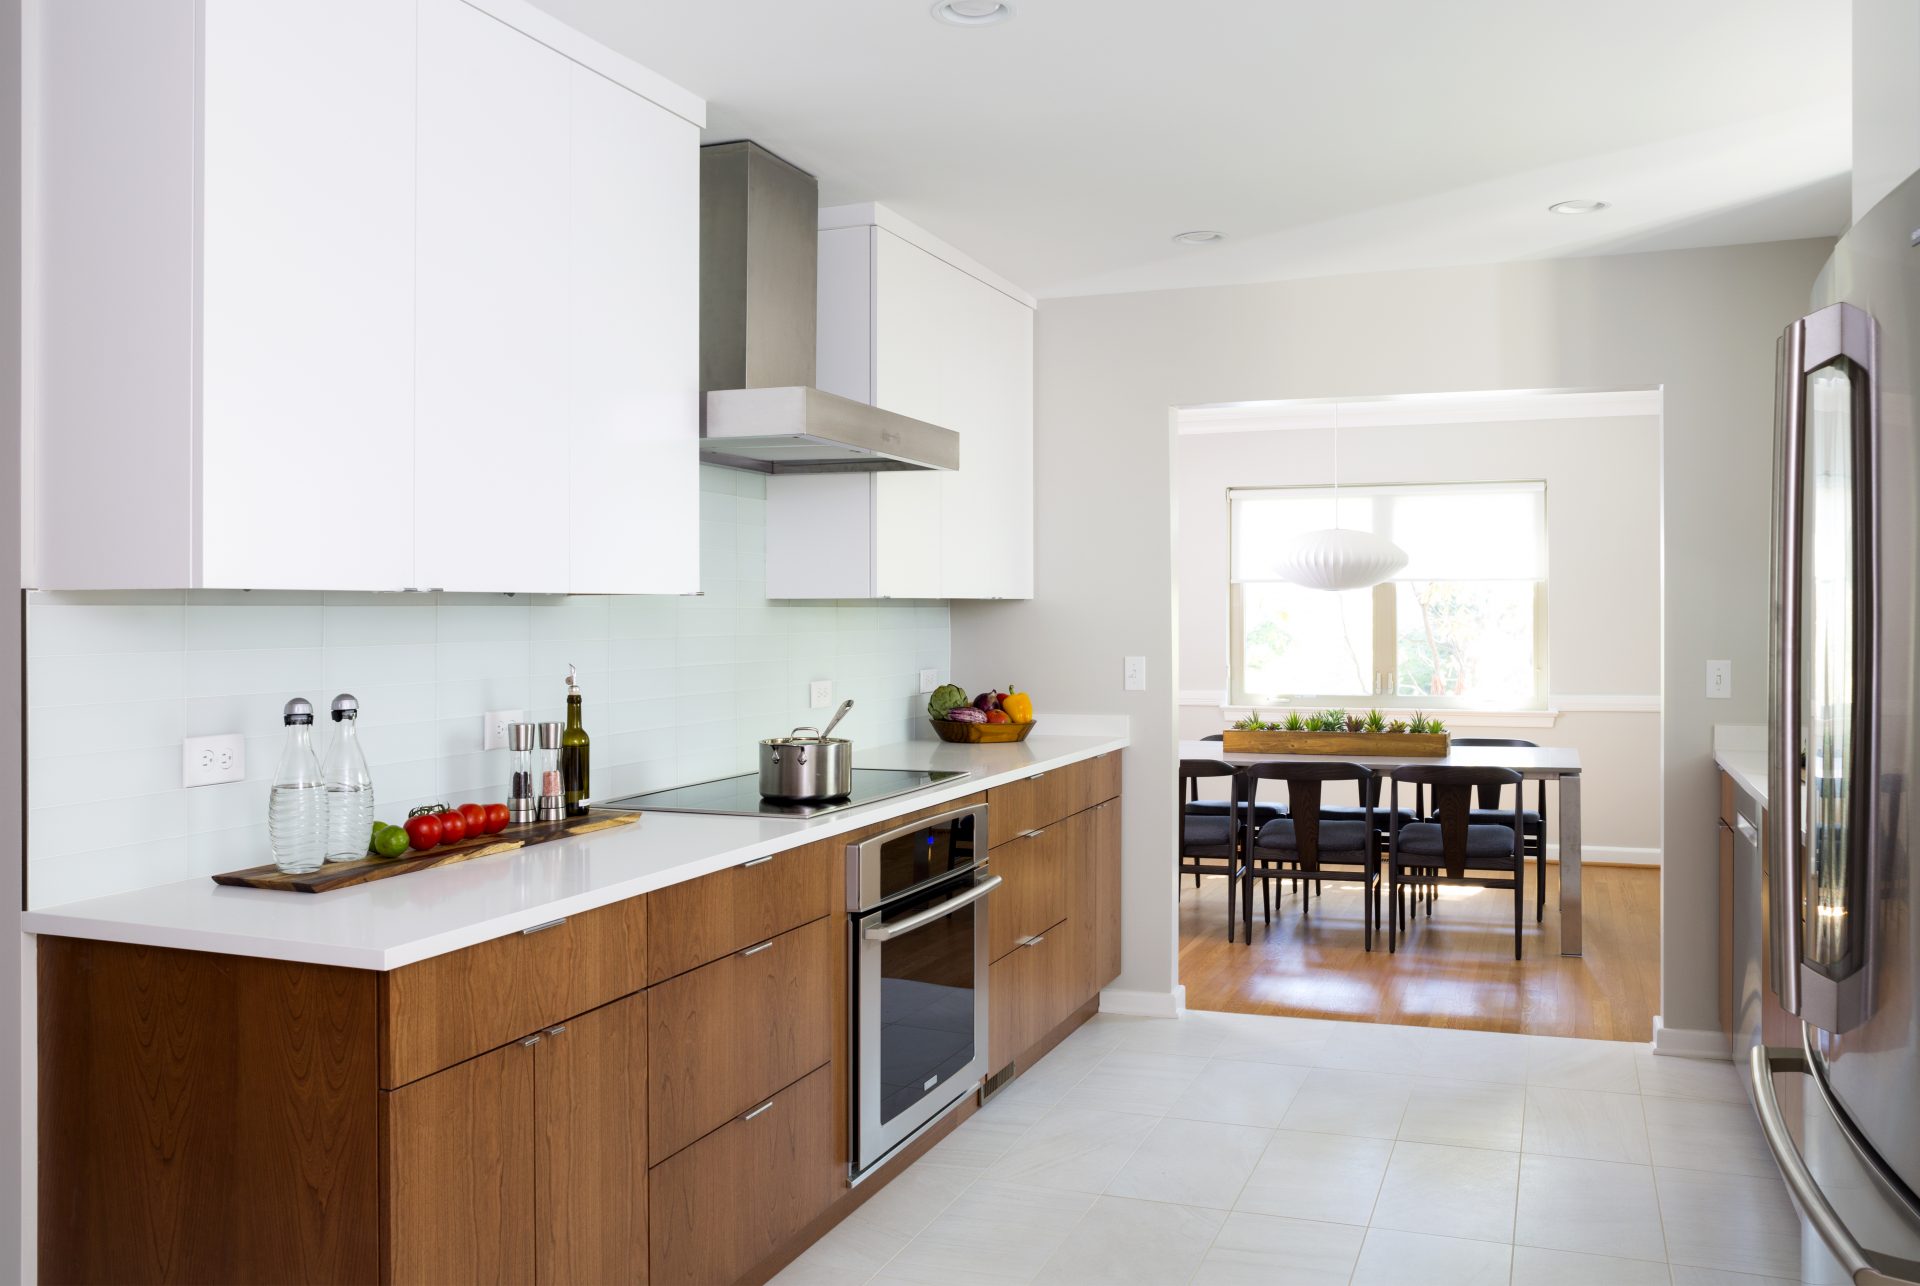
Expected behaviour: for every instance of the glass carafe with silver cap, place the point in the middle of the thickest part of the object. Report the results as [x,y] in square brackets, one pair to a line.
[349,786]
[297,805]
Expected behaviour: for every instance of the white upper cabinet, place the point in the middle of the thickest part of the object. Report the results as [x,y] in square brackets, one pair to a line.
[909,324]
[405,304]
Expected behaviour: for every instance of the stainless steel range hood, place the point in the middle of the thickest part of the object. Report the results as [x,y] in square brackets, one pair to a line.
[759,243]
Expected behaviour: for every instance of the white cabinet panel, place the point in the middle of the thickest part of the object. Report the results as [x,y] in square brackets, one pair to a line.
[633,348]
[306,447]
[491,440]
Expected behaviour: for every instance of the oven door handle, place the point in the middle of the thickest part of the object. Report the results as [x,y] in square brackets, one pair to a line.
[920,919]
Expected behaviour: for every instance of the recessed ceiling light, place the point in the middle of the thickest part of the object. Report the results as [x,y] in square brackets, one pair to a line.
[972,13]
[1198,237]
[1582,206]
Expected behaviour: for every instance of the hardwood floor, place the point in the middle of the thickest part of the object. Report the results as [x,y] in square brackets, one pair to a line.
[1454,970]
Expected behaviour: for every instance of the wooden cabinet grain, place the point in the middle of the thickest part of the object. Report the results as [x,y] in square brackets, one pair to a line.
[456,1172]
[1036,871]
[727,1035]
[590,1148]
[727,1202]
[701,920]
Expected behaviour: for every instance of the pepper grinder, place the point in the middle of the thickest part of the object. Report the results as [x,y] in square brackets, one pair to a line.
[553,799]
[523,802]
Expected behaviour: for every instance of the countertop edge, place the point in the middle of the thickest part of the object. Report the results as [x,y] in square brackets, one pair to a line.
[1748,768]
[73,920]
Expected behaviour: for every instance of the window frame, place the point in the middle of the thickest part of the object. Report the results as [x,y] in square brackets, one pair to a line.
[1385,631]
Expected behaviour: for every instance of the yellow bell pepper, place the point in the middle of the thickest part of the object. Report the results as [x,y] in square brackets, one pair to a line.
[1019,707]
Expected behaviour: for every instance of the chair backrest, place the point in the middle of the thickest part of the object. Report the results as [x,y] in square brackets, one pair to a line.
[1453,787]
[1303,798]
[1490,795]
[1194,771]
[1193,785]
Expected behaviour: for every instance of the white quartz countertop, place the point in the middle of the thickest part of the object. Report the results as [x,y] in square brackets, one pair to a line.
[394,922]
[1748,768]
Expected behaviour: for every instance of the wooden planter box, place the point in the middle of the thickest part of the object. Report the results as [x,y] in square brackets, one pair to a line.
[1371,745]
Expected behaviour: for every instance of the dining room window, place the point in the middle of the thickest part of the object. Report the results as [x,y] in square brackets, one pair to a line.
[1462,626]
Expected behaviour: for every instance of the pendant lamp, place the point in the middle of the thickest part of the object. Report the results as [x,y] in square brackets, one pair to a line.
[1336,558]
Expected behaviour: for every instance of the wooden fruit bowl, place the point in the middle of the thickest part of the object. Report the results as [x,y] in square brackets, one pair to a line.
[980,733]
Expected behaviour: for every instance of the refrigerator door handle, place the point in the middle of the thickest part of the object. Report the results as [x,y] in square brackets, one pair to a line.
[1783,769]
[1862,1266]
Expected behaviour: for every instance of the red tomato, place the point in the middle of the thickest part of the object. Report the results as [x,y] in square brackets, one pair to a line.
[424,831]
[453,827]
[475,816]
[498,818]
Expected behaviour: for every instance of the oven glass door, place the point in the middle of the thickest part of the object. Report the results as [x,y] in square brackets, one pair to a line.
[922,855]
[923,1013]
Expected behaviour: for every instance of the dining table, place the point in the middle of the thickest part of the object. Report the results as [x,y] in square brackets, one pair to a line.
[1558,764]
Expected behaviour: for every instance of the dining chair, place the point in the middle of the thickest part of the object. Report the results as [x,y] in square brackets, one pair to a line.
[1308,846]
[1211,844]
[1453,849]
[1197,807]
[1533,821]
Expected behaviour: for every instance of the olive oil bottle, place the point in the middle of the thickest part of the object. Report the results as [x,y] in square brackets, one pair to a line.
[575,776]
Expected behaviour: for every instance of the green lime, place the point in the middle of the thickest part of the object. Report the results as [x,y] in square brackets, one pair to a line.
[390,842]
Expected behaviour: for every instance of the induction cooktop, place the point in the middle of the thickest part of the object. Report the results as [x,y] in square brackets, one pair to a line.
[740,796]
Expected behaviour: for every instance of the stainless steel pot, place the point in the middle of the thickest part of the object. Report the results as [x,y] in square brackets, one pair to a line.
[807,765]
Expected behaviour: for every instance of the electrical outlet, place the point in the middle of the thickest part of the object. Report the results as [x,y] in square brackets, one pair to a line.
[208,761]
[493,734]
[1136,674]
[1719,679]
[820,694]
[929,680]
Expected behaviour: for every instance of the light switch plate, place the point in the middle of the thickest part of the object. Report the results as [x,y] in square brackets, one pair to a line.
[820,694]
[1719,679]
[493,735]
[208,761]
[929,680]
[1136,674]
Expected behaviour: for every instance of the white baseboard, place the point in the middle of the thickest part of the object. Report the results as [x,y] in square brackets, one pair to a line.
[1144,1004]
[1690,1042]
[1610,855]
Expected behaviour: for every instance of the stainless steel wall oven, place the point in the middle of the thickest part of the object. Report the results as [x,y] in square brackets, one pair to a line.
[917,897]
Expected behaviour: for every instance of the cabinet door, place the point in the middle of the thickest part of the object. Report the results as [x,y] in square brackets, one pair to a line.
[988,532]
[914,321]
[1726,971]
[1104,870]
[456,1181]
[590,1147]
[1035,871]
[632,350]
[307,263]
[491,428]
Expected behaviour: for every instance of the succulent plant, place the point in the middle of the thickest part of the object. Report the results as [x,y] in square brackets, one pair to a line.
[1375,721]
[1333,721]
[1435,726]
[1247,724]
[1398,725]
[1294,722]
[1419,723]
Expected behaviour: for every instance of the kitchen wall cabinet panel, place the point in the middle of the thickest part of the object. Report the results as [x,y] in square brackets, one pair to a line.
[491,357]
[908,324]
[721,1206]
[456,1175]
[590,1148]
[286,338]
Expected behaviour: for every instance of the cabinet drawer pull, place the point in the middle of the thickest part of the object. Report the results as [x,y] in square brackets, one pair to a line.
[1036,777]
[757,949]
[530,1041]
[541,928]
[1034,942]
[1033,834]
[757,861]
[556,1029]
[748,1116]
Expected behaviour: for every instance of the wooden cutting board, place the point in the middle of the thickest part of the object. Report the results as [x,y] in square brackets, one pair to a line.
[340,875]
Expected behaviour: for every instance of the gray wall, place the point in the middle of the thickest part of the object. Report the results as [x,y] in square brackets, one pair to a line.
[16,953]
[1699,323]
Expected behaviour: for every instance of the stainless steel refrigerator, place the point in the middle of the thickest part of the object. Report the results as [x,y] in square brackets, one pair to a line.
[1840,1106]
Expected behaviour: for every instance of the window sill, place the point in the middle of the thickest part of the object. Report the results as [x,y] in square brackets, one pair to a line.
[1608,704]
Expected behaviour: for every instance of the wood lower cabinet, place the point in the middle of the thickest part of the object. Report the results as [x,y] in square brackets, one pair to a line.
[1030,991]
[714,916]
[729,1201]
[456,1172]
[1036,872]
[729,1034]
[590,1147]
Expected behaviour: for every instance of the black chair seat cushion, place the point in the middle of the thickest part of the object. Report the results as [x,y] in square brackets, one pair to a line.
[1206,836]
[1422,839]
[1343,813]
[1335,836]
[1262,813]
[1529,820]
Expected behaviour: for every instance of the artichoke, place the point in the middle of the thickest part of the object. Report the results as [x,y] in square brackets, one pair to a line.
[944,698]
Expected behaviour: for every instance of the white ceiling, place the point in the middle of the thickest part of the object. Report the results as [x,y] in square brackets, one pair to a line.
[1064,148]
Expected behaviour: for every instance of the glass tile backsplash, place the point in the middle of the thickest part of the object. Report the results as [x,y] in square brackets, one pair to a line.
[677,690]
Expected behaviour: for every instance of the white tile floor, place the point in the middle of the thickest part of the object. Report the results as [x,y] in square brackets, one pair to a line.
[1231,1148]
